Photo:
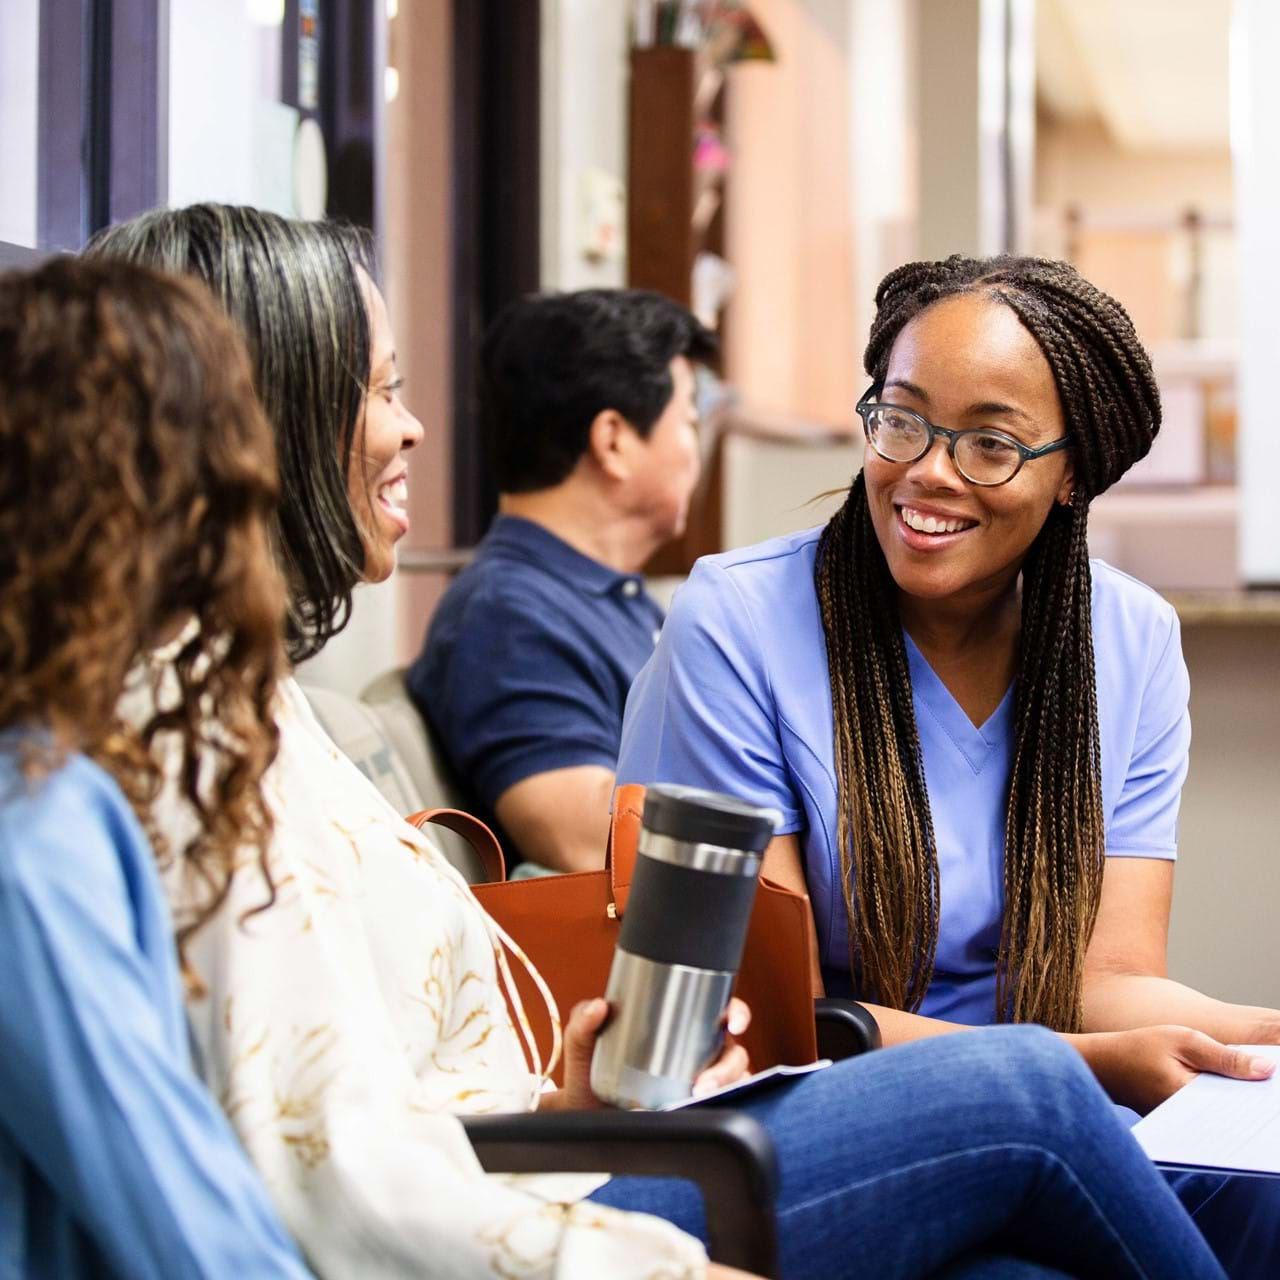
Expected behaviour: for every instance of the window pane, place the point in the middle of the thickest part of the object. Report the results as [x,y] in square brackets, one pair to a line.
[19,100]
[230,137]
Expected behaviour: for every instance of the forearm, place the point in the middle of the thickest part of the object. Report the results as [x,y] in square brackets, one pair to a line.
[1119,1002]
[897,1027]
[560,819]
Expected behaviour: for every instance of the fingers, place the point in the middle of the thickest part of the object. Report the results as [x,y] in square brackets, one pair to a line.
[587,1017]
[585,1021]
[1203,1053]
[731,1065]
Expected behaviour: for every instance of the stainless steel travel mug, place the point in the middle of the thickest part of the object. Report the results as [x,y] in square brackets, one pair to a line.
[681,943]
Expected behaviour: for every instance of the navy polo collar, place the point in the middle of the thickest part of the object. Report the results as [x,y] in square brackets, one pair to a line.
[525,540]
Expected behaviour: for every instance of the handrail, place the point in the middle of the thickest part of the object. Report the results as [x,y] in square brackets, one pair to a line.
[447,560]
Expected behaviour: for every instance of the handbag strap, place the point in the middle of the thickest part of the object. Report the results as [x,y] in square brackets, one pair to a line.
[624,841]
[620,854]
[482,841]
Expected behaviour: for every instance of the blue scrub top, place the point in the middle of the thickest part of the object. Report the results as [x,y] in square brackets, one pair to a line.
[737,698]
[114,1160]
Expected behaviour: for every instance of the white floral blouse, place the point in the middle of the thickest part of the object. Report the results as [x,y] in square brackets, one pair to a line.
[346,1027]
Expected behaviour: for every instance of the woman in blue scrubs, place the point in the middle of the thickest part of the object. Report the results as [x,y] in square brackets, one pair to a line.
[977,736]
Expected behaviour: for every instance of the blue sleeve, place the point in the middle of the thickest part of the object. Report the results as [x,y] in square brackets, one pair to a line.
[702,711]
[93,1089]
[518,698]
[1144,823]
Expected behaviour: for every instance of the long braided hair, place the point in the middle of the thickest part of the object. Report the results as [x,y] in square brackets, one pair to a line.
[1054,821]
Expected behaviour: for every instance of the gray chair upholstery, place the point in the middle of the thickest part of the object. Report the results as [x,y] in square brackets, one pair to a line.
[386,740]
[388,698]
[425,760]
[360,735]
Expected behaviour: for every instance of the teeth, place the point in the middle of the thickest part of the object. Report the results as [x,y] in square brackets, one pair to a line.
[395,494]
[931,524]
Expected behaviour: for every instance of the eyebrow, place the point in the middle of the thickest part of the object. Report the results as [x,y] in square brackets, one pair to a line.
[982,407]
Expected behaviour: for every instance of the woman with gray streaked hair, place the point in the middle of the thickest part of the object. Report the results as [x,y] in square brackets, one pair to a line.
[346,1030]
[302,295]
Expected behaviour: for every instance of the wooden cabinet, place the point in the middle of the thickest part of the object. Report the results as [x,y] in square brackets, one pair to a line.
[675,211]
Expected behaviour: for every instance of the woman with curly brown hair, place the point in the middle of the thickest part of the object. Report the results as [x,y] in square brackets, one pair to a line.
[135,487]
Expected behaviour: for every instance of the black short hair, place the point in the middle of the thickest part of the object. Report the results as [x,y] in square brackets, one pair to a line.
[551,362]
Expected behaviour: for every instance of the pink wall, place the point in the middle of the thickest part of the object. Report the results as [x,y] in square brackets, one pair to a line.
[789,335]
[417,272]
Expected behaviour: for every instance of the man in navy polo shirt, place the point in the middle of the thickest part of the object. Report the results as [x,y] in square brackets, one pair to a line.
[588,402]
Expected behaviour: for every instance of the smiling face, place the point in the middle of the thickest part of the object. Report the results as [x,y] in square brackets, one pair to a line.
[966,362]
[377,477]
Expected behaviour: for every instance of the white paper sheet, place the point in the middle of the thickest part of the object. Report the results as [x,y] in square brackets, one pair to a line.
[749,1083]
[1215,1123]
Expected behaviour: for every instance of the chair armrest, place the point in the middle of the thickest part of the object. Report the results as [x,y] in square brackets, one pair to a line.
[845,1028]
[727,1153]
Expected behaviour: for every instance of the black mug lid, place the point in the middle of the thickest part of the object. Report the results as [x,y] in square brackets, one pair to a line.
[708,817]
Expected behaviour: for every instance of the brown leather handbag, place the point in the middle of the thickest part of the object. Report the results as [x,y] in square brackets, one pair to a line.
[568,926]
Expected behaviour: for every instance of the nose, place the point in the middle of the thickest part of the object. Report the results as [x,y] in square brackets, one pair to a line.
[412,432]
[934,469]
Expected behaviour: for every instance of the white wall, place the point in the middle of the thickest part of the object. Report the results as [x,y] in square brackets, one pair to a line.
[368,645]
[884,139]
[231,140]
[1255,108]
[584,127]
[19,100]
[1223,938]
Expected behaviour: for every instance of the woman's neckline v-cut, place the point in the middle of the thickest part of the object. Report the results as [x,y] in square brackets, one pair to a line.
[974,742]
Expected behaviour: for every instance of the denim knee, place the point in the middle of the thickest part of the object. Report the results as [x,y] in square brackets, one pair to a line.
[1057,1086]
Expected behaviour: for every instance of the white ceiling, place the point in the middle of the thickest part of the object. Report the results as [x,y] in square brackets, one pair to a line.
[1154,71]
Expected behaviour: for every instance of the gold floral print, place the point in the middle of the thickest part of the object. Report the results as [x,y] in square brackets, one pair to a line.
[348,1023]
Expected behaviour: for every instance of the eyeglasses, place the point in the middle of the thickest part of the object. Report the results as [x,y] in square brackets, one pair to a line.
[982,455]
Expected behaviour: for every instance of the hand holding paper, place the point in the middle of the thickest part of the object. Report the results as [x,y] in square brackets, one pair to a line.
[1219,1124]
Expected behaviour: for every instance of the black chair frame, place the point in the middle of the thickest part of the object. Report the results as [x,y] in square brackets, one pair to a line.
[727,1153]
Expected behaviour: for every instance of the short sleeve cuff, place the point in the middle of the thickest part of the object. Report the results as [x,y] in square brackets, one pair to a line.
[1163,852]
[792,821]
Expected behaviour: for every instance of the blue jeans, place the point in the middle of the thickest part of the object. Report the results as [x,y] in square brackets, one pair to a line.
[987,1154]
[1239,1217]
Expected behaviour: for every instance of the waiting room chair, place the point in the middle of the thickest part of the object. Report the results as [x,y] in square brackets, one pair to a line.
[727,1153]
[426,762]
[423,758]
[395,754]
